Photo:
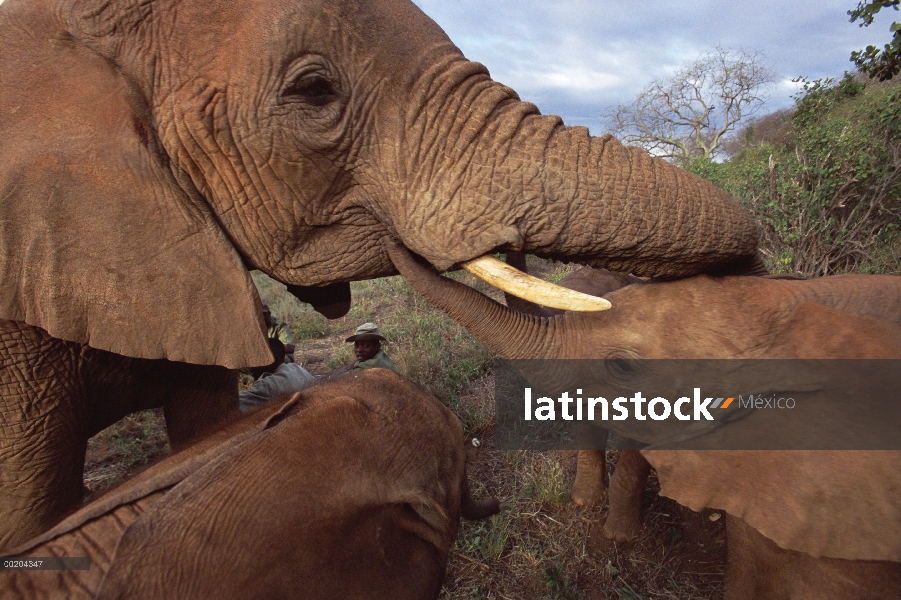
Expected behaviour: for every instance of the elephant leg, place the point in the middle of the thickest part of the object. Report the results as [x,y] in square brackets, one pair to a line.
[589,487]
[55,394]
[591,468]
[203,397]
[758,569]
[43,435]
[626,491]
[754,569]
[193,397]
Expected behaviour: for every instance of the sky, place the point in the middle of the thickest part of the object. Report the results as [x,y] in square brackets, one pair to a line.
[579,58]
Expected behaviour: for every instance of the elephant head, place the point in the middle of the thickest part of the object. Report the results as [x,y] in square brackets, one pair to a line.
[153,152]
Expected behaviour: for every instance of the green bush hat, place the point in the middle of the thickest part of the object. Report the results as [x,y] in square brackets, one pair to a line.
[366,331]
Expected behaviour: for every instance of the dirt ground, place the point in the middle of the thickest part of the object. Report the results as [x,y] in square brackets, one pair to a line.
[553,549]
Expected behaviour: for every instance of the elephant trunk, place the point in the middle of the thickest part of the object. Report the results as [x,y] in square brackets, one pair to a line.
[510,334]
[500,176]
[613,206]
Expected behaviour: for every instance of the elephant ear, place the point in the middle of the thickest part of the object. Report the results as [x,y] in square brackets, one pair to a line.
[834,503]
[102,240]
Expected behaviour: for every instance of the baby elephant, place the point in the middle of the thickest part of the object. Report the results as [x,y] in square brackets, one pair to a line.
[350,489]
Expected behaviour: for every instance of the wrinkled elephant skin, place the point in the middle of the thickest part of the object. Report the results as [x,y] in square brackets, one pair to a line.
[827,505]
[84,390]
[152,152]
[350,489]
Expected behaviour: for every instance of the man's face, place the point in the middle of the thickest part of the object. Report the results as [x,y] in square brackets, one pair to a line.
[366,349]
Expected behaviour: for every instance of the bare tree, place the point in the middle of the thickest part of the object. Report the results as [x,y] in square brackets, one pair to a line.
[687,115]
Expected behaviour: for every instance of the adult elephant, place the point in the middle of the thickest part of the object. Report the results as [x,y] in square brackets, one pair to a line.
[350,489]
[802,524]
[154,151]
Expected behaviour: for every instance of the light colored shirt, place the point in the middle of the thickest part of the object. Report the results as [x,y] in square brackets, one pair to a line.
[288,378]
[380,361]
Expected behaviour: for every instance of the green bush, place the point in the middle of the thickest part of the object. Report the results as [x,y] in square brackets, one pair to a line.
[829,198]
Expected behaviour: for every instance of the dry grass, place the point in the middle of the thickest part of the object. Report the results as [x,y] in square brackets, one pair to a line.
[540,546]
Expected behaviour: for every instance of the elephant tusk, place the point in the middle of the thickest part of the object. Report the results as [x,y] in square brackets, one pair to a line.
[499,274]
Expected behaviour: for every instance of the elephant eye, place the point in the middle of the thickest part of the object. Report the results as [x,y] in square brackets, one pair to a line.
[620,367]
[313,89]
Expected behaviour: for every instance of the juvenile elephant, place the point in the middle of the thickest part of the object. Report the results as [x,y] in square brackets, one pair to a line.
[803,524]
[350,489]
[153,151]
[623,517]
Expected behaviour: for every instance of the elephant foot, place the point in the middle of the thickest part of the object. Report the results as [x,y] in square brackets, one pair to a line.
[623,526]
[589,488]
[588,494]
[626,493]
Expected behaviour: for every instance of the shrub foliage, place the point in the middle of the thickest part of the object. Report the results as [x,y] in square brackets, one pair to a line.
[828,192]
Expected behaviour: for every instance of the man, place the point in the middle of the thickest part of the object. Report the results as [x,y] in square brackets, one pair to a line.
[274,379]
[276,328]
[368,349]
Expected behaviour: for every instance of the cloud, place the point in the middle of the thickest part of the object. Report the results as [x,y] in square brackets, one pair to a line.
[577,58]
